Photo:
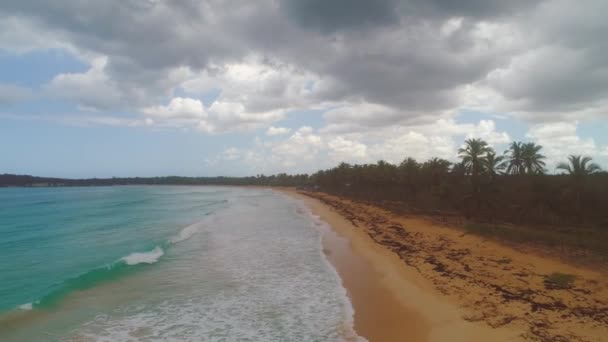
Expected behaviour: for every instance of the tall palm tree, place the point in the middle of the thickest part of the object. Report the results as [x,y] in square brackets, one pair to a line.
[409,170]
[473,154]
[492,164]
[579,167]
[533,160]
[515,159]
[437,168]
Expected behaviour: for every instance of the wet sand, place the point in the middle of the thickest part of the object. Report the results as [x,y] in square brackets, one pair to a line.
[463,287]
[379,316]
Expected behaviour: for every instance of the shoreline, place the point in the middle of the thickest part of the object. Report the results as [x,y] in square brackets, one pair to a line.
[391,302]
[463,287]
[378,314]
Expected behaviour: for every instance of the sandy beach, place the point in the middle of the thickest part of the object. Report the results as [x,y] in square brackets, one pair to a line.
[412,279]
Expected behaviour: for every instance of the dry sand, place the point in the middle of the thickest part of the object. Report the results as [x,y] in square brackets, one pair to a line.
[412,280]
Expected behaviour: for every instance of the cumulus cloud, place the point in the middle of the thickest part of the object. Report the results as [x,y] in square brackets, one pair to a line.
[178,108]
[301,147]
[228,116]
[342,149]
[307,149]
[412,57]
[389,76]
[277,130]
[561,139]
[92,89]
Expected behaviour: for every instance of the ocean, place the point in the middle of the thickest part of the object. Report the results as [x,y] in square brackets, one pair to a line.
[165,263]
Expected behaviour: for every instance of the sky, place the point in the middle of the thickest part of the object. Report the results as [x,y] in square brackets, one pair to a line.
[238,87]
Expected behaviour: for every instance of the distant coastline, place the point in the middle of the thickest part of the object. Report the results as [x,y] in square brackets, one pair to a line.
[12,180]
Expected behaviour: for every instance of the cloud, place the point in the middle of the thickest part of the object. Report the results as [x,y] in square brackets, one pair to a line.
[412,57]
[92,89]
[233,116]
[301,147]
[178,108]
[361,116]
[307,149]
[561,139]
[23,34]
[486,130]
[11,94]
[330,16]
[218,118]
[277,130]
[341,149]
[389,76]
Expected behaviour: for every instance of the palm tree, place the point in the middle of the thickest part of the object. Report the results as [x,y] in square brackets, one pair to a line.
[459,170]
[408,171]
[579,168]
[493,164]
[437,168]
[473,155]
[515,159]
[342,174]
[532,159]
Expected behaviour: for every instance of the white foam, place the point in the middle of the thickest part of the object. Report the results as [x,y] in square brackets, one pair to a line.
[26,306]
[347,330]
[185,234]
[263,278]
[149,257]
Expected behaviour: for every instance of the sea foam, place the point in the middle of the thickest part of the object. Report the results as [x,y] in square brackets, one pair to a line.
[149,257]
[25,307]
[184,234]
[263,278]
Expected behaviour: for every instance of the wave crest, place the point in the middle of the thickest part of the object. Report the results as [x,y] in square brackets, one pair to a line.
[117,269]
[149,257]
[184,234]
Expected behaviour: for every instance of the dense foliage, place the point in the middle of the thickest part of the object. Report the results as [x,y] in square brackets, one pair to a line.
[513,187]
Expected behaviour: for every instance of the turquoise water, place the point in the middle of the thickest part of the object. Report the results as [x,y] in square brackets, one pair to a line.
[164,263]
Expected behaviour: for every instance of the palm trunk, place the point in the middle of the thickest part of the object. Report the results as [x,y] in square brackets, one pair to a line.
[578,204]
[475,181]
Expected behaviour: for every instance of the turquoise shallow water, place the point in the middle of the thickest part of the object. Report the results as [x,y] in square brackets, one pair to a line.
[164,263]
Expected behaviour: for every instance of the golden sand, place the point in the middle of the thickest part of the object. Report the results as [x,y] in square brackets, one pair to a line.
[410,279]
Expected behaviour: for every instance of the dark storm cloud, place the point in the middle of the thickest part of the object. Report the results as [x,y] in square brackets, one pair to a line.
[395,53]
[329,16]
[466,8]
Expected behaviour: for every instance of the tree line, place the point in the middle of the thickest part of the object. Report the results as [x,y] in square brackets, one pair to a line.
[282,179]
[483,185]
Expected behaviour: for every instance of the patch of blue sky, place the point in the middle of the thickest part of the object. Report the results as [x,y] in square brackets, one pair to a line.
[38,67]
[207,97]
[297,119]
[516,129]
[598,130]
[48,148]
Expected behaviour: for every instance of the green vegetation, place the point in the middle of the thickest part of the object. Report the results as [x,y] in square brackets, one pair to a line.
[559,281]
[558,238]
[579,168]
[508,197]
[483,187]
